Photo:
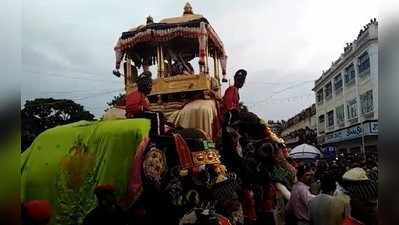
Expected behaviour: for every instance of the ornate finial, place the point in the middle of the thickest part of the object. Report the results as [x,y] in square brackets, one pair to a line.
[188,9]
[150,20]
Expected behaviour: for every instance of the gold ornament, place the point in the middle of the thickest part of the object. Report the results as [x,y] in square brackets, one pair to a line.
[205,157]
[188,9]
[154,165]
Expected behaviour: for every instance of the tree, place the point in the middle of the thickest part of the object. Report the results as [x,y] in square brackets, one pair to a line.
[41,114]
[117,100]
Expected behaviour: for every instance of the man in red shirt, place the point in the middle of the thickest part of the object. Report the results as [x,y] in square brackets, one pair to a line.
[231,98]
[138,105]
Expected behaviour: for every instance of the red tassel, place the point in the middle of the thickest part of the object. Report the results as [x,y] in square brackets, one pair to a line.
[249,206]
[183,152]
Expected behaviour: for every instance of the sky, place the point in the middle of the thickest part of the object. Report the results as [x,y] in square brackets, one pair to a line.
[67,46]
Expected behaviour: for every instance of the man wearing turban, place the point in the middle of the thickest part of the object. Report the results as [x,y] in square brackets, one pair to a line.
[138,105]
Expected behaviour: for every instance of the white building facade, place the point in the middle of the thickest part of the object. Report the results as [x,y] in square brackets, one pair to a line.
[347,96]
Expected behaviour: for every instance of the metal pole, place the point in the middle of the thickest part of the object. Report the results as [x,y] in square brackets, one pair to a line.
[129,74]
[162,65]
[363,148]
[159,61]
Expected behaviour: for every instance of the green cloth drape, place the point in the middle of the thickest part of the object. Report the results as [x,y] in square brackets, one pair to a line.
[108,146]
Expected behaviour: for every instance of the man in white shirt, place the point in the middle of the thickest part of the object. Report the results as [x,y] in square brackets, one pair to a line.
[325,209]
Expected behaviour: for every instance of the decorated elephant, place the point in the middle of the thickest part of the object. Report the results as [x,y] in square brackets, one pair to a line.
[158,181]
[251,150]
[180,174]
[64,165]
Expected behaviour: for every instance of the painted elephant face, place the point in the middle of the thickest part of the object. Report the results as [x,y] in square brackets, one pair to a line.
[154,165]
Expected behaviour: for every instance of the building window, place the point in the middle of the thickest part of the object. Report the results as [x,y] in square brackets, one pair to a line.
[330,119]
[338,84]
[350,74]
[339,112]
[366,102]
[319,97]
[328,90]
[321,124]
[352,110]
[364,64]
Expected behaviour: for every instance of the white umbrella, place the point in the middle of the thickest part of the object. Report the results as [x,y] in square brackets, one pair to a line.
[305,151]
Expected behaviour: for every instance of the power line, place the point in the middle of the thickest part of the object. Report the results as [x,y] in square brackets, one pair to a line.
[76,92]
[76,99]
[59,75]
[90,94]
[98,94]
[282,90]
[290,87]
[69,71]
[277,83]
[291,98]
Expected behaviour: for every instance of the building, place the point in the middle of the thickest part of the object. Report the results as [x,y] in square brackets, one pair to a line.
[301,128]
[347,96]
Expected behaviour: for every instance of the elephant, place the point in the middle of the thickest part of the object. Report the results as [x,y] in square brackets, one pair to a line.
[256,155]
[181,173]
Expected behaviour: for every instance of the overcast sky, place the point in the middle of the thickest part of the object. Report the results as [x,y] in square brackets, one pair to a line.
[67,45]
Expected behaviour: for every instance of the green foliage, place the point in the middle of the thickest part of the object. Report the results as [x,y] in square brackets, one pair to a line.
[72,206]
[41,114]
[282,175]
[117,100]
[75,199]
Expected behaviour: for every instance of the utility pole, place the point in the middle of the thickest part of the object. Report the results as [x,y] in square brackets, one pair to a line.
[363,148]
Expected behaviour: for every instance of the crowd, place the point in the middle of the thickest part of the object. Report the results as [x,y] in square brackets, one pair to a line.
[342,198]
[306,135]
[337,191]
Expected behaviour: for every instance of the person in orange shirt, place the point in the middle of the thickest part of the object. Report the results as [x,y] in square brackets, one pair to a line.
[137,101]
[138,105]
[231,98]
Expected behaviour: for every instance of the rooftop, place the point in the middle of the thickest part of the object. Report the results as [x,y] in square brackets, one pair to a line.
[349,48]
[306,113]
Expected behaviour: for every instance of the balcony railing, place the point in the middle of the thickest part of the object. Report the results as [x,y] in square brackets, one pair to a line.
[353,120]
[350,82]
[364,74]
[338,91]
[340,124]
[368,115]
[330,128]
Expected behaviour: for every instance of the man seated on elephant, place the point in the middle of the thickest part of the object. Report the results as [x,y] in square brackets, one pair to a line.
[138,105]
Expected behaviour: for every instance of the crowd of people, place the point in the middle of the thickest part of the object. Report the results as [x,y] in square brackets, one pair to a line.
[337,191]
[306,135]
[273,188]
[348,198]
